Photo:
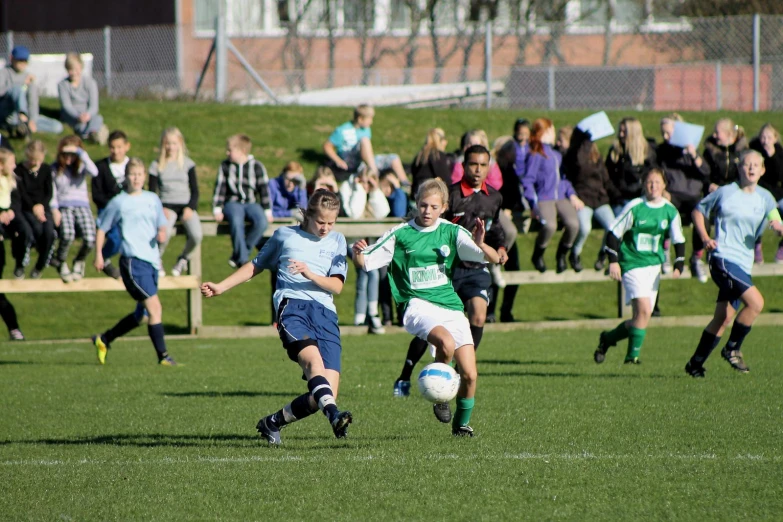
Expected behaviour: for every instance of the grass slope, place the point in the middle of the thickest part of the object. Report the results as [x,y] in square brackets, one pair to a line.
[559,437]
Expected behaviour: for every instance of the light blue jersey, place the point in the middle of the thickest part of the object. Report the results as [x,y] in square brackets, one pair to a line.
[324,256]
[739,218]
[346,137]
[139,218]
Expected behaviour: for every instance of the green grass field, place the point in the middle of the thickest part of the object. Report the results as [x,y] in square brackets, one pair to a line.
[559,437]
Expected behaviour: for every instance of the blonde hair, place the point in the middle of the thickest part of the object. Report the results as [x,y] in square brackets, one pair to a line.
[363,111]
[34,147]
[566,131]
[68,141]
[240,141]
[434,144]
[4,155]
[72,59]
[772,129]
[727,123]
[475,133]
[433,186]
[674,116]
[498,144]
[636,146]
[293,166]
[135,163]
[322,199]
[183,150]
[322,172]
[751,152]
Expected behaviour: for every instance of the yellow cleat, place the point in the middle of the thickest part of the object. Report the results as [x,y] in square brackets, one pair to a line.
[168,361]
[101,348]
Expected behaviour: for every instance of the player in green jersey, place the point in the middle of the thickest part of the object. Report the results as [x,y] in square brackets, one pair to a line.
[421,255]
[635,249]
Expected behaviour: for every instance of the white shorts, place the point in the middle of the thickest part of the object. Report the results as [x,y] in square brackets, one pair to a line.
[421,317]
[642,282]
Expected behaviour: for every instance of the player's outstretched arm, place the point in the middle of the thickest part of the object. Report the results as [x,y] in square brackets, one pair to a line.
[490,254]
[244,274]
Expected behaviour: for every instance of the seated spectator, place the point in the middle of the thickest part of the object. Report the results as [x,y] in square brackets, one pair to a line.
[323,178]
[36,190]
[470,138]
[549,194]
[13,229]
[590,179]
[19,110]
[398,199]
[362,197]
[173,177]
[768,144]
[432,161]
[242,192]
[73,204]
[108,183]
[288,192]
[521,140]
[628,160]
[687,175]
[350,145]
[563,141]
[79,102]
[722,153]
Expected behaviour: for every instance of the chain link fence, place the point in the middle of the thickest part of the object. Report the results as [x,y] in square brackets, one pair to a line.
[727,63]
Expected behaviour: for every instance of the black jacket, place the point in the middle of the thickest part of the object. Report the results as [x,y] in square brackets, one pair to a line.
[684,180]
[590,179]
[511,192]
[723,161]
[439,165]
[772,179]
[465,206]
[104,185]
[626,177]
[34,187]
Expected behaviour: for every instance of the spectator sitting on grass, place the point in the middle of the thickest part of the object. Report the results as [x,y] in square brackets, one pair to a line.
[350,145]
[287,191]
[79,102]
[242,192]
[19,111]
[323,178]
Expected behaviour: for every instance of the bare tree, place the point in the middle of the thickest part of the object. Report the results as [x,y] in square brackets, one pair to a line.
[296,51]
[440,55]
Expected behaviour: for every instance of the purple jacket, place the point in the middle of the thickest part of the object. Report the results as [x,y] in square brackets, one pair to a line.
[282,200]
[542,180]
[519,160]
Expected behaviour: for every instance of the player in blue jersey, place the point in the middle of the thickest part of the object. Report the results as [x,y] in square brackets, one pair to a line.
[310,260]
[741,211]
[139,215]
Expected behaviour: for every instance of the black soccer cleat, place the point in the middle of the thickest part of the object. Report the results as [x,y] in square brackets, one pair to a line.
[340,424]
[600,353]
[269,431]
[632,360]
[695,370]
[442,411]
[734,358]
[463,431]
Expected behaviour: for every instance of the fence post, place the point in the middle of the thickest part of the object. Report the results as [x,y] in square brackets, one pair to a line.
[9,42]
[195,318]
[551,83]
[488,61]
[107,58]
[220,53]
[756,60]
[178,46]
[718,86]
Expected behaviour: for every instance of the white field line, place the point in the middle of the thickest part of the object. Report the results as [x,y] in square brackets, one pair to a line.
[544,457]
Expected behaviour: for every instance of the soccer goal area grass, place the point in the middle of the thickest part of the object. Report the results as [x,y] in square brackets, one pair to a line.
[558,437]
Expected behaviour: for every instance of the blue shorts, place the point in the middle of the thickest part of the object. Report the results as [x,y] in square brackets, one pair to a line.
[140,277]
[732,281]
[302,323]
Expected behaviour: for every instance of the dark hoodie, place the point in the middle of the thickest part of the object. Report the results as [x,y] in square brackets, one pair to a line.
[626,177]
[772,179]
[723,161]
[590,179]
[684,179]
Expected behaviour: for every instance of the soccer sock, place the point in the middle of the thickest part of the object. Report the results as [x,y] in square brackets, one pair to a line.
[635,341]
[477,332]
[737,335]
[617,335]
[415,352]
[158,341]
[126,324]
[322,393]
[707,343]
[463,413]
[295,410]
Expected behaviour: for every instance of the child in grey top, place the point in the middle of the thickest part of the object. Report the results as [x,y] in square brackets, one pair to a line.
[173,176]
[79,102]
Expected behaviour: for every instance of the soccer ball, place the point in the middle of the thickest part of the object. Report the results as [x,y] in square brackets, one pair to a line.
[438,382]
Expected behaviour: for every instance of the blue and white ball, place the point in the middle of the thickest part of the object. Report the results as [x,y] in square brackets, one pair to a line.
[438,382]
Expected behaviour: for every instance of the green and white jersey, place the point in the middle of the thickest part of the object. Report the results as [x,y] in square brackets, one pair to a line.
[421,261]
[642,228]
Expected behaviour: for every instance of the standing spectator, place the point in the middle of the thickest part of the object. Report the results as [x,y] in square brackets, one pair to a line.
[173,177]
[12,225]
[587,173]
[687,174]
[70,184]
[350,145]
[323,178]
[108,183]
[242,191]
[469,139]
[362,197]
[79,102]
[19,111]
[549,194]
[768,144]
[432,160]
[288,191]
[36,190]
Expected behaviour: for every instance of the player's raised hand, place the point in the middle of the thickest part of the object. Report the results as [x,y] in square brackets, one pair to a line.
[478,232]
[210,289]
